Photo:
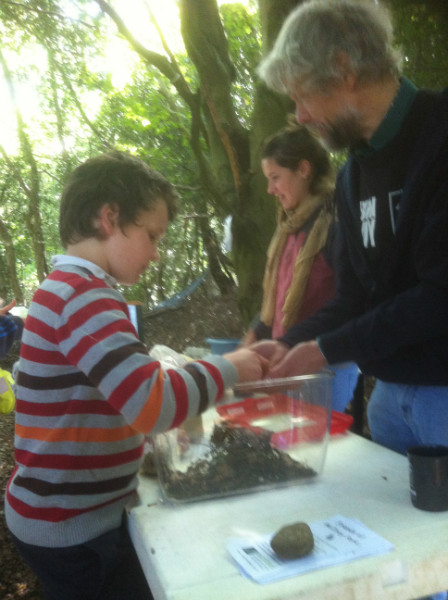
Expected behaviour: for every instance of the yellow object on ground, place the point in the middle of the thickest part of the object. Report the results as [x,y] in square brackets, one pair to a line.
[7,397]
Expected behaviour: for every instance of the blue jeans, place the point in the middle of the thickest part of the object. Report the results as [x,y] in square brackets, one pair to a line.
[105,568]
[401,416]
[343,384]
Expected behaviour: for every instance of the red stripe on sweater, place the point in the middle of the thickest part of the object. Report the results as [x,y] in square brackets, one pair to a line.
[49,300]
[85,313]
[40,356]
[54,514]
[72,407]
[77,282]
[70,462]
[181,395]
[217,378]
[72,279]
[131,383]
[41,329]
[88,341]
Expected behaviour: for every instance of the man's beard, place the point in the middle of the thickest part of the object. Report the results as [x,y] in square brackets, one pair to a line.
[344,132]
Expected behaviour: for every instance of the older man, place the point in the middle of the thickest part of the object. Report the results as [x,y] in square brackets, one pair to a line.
[337,61]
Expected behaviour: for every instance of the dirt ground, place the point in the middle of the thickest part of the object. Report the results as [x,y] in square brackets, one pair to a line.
[201,316]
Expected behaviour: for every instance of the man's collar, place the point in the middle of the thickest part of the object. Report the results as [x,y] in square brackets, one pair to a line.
[393,120]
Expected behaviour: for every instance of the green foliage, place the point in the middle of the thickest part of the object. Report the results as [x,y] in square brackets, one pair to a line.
[245,47]
[57,53]
[147,120]
[421,31]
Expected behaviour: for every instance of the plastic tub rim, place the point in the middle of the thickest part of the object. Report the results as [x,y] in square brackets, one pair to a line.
[281,383]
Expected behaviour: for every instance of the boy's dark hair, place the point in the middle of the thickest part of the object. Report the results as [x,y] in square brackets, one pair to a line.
[115,178]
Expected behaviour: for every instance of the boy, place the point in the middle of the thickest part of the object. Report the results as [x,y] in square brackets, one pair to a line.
[87,391]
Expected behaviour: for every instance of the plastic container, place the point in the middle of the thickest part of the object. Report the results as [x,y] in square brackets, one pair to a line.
[222,345]
[267,434]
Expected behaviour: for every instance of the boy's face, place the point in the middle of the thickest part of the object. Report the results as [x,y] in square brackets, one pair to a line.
[132,248]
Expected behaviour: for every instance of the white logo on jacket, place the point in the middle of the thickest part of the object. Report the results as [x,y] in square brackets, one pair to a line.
[368,221]
[394,207]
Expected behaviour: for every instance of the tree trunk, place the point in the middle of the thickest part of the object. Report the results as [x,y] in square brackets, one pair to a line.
[10,257]
[229,167]
[31,185]
[238,167]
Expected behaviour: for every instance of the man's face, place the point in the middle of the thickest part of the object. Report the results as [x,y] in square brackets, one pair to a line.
[331,115]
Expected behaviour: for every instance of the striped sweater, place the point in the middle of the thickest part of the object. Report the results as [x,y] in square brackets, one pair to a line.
[87,393]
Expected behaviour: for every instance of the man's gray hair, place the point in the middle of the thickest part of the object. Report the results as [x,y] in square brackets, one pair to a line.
[321,39]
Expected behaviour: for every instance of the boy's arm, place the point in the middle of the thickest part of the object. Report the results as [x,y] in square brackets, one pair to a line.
[95,335]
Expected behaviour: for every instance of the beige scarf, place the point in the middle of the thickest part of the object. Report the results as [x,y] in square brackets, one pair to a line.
[288,223]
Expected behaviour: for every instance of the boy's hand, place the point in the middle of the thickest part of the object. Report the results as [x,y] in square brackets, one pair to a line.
[250,365]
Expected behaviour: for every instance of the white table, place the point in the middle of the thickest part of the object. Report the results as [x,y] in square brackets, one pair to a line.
[183,548]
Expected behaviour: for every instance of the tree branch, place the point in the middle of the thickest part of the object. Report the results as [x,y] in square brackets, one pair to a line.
[41,11]
[168,68]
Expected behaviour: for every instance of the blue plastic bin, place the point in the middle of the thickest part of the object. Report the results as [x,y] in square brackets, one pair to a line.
[222,345]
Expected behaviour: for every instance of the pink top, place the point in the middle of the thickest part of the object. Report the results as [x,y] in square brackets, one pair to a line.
[320,288]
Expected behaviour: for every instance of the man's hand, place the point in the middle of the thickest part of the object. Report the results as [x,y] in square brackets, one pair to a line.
[272,350]
[302,359]
[250,365]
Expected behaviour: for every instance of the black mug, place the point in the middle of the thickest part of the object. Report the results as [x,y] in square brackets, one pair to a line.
[428,477]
